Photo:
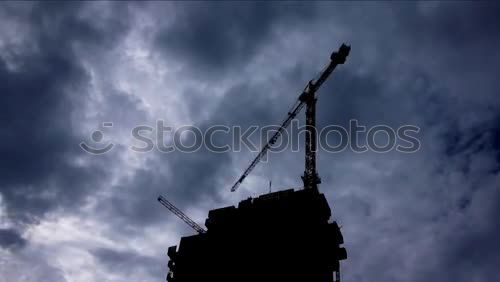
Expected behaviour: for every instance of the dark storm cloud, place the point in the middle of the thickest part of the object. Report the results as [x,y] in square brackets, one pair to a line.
[443,51]
[421,63]
[472,240]
[199,38]
[10,238]
[46,86]
[461,237]
[187,178]
[121,261]
[217,37]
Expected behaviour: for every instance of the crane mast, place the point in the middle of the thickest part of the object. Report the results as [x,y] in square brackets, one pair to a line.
[310,177]
[181,215]
[307,98]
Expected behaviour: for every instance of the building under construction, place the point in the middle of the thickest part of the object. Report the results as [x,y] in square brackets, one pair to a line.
[280,236]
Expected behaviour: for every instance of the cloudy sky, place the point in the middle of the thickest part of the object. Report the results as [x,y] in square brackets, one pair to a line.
[65,68]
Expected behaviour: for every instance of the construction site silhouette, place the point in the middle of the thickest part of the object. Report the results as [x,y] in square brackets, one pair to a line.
[282,236]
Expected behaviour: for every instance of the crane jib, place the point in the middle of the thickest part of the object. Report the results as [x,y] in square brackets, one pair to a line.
[306,97]
[181,215]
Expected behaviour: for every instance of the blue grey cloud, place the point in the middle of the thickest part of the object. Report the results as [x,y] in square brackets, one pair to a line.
[67,67]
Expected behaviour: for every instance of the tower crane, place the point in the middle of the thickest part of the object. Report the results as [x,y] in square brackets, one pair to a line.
[307,98]
[181,215]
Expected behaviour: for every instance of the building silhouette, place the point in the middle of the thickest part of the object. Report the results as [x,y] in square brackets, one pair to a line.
[280,236]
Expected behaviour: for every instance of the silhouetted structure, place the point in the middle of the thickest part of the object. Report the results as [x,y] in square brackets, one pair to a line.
[281,236]
[307,98]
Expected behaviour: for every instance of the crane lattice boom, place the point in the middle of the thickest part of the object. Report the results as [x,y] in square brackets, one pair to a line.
[263,152]
[307,97]
[181,215]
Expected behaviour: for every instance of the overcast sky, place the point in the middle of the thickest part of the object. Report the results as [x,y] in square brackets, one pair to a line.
[65,68]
